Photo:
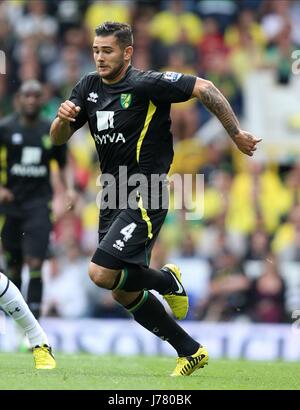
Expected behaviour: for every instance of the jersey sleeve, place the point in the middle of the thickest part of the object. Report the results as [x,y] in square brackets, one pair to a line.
[78,99]
[167,87]
[59,153]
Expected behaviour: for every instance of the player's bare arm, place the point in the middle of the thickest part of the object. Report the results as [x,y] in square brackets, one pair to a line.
[67,178]
[216,103]
[60,130]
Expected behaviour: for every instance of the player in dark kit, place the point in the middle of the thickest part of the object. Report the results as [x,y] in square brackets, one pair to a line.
[128,114]
[25,192]
[25,189]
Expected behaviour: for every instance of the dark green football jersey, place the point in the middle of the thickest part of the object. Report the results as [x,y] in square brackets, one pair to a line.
[25,155]
[130,120]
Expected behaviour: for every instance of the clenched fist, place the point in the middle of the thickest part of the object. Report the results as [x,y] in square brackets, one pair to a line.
[246,142]
[68,111]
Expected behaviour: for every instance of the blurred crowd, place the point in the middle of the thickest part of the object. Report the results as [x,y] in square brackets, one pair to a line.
[240,259]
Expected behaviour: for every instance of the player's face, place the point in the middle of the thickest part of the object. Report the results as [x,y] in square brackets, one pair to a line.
[30,103]
[110,59]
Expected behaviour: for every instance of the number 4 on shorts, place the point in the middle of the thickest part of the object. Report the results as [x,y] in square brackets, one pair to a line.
[127,231]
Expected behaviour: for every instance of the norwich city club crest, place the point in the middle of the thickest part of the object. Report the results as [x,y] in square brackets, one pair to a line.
[125,100]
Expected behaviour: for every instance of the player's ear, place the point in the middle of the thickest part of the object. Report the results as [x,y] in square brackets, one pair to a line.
[128,53]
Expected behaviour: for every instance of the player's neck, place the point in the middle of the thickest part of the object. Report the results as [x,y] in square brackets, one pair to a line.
[119,76]
[28,121]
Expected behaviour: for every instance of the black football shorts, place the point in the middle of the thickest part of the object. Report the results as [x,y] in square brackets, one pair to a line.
[28,234]
[129,237]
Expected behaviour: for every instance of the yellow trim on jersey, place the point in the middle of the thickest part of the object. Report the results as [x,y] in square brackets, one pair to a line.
[145,217]
[3,165]
[150,113]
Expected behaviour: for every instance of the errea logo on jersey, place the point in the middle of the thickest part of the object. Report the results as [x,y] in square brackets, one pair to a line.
[119,245]
[93,97]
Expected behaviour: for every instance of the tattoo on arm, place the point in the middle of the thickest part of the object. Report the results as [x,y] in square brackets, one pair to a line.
[215,102]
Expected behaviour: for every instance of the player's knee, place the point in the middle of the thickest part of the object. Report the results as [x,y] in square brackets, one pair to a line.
[34,263]
[102,277]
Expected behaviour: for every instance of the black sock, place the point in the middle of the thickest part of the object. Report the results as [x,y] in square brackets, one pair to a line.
[14,273]
[134,278]
[35,290]
[151,314]
[16,280]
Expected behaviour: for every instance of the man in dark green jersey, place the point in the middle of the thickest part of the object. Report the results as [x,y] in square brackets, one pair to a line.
[128,112]
[25,189]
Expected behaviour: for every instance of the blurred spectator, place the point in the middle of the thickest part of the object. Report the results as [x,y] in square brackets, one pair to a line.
[258,245]
[255,198]
[216,240]
[6,35]
[222,10]
[68,68]
[218,70]
[107,10]
[185,114]
[143,44]
[267,295]
[36,23]
[245,24]
[168,25]
[6,104]
[158,255]
[211,42]
[286,242]
[66,285]
[68,12]
[275,16]
[228,290]
[246,42]
[291,189]
[217,159]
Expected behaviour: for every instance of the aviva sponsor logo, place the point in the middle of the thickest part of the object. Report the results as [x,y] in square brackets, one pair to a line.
[109,138]
[31,171]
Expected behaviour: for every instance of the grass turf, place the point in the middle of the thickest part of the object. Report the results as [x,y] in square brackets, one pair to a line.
[83,371]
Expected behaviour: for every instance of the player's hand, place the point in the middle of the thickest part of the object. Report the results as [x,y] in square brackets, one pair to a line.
[68,111]
[246,142]
[6,195]
[70,198]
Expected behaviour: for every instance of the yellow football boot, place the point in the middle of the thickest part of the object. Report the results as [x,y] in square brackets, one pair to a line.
[178,299]
[43,357]
[187,365]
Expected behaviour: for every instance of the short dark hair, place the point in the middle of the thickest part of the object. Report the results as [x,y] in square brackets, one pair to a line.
[121,31]
[33,86]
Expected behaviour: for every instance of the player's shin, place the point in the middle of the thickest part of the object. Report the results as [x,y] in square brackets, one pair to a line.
[149,312]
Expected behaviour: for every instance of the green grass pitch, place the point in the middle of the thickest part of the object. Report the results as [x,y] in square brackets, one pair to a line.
[83,371]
